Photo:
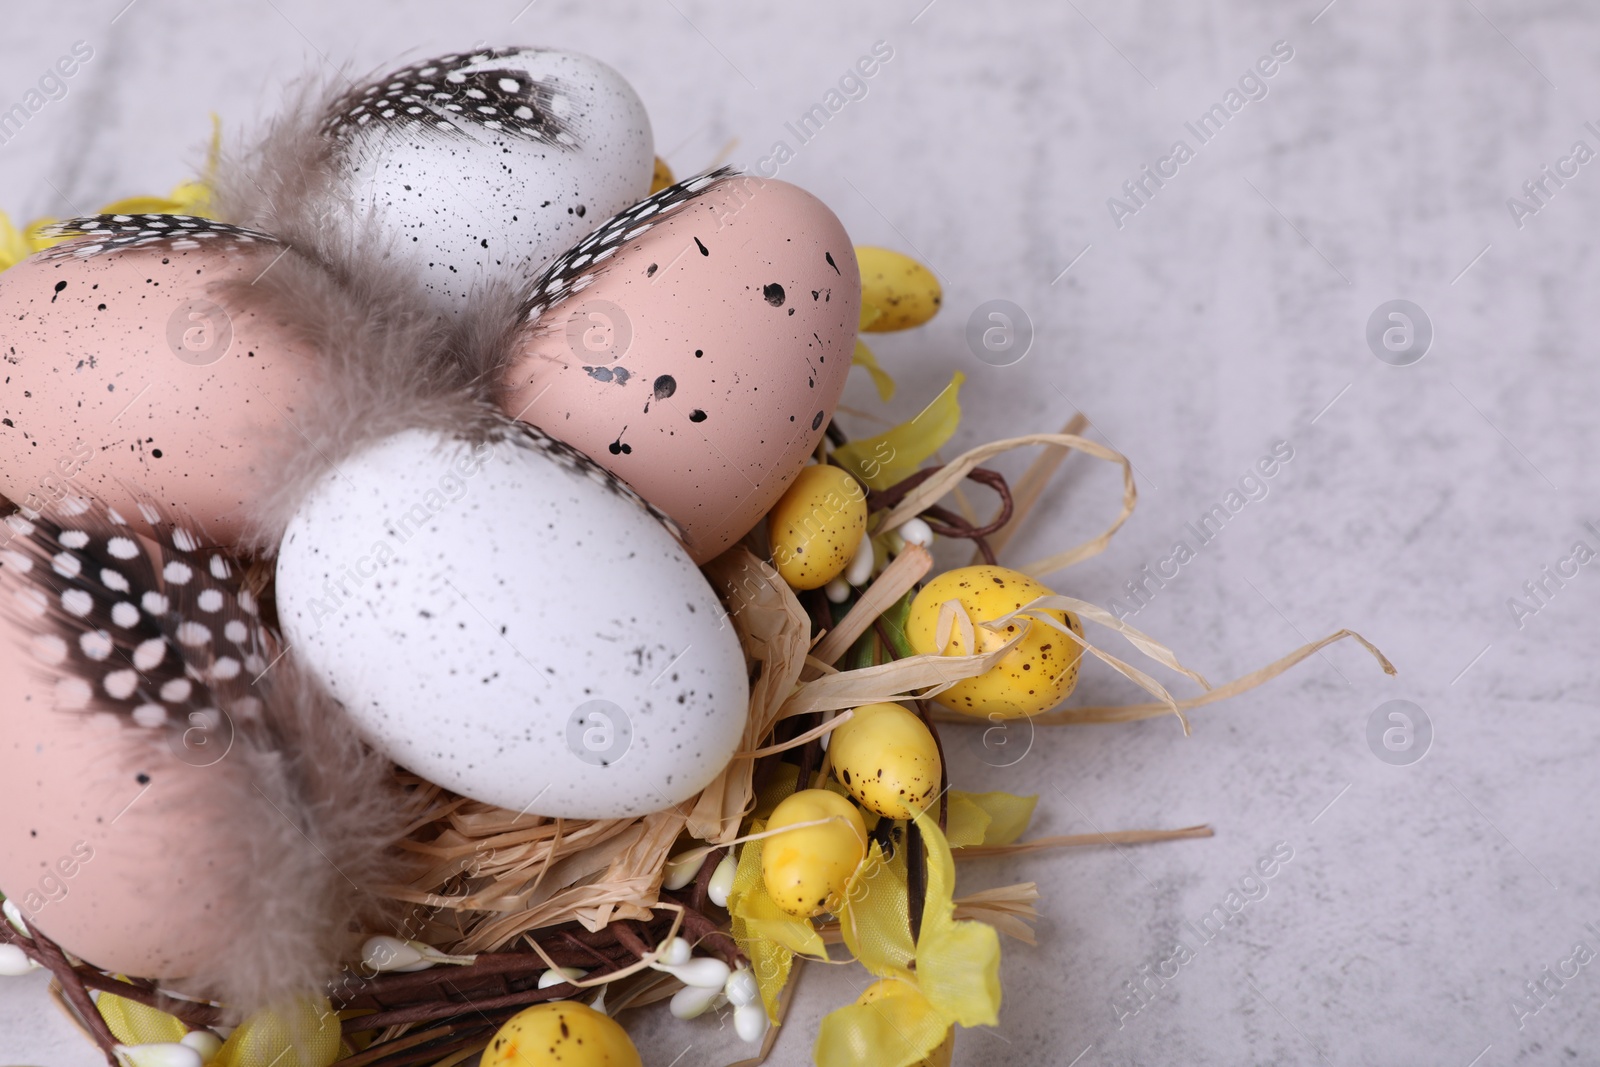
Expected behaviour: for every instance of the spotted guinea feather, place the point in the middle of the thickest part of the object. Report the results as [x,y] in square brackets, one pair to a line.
[163,635]
[577,269]
[167,639]
[455,94]
[178,232]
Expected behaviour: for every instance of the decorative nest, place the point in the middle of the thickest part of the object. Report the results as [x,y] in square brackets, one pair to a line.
[511,896]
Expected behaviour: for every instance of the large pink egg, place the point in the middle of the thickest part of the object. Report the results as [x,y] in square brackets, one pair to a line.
[141,369]
[696,346]
[110,843]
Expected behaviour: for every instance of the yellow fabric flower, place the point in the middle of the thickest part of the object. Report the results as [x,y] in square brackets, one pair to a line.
[883,460]
[953,969]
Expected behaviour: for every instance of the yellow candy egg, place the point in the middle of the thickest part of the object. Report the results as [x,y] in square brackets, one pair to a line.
[561,1032]
[816,526]
[888,759]
[892,988]
[902,291]
[806,869]
[1036,675]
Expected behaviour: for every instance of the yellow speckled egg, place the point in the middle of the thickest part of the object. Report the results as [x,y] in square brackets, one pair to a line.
[561,1032]
[887,757]
[902,291]
[816,526]
[1034,676]
[806,870]
[886,993]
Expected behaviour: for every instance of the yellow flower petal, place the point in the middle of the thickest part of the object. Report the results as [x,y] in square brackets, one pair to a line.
[13,245]
[305,1034]
[138,1024]
[143,205]
[662,176]
[958,963]
[998,818]
[765,932]
[880,378]
[892,1032]
[883,460]
[875,920]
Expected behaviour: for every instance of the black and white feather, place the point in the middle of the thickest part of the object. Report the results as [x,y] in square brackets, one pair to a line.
[164,636]
[178,232]
[577,269]
[459,93]
[169,642]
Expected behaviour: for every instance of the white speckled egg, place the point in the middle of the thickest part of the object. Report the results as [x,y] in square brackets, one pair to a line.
[510,621]
[487,165]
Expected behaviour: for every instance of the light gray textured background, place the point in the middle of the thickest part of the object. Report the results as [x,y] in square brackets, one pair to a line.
[1226,315]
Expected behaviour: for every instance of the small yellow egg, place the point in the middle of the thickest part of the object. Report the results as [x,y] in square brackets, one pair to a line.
[888,760]
[890,988]
[901,290]
[662,177]
[816,526]
[1036,675]
[561,1032]
[806,870]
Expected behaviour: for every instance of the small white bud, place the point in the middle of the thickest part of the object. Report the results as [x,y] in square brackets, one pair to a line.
[706,972]
[682,868]
[837,590]
[163,1055]
[750,1022]
[721,883]
[392,955]
[691,1001]
[204,1042]
[860,570]
[741,988]
[916,532]
[14,961]
[557,975]
[675,953]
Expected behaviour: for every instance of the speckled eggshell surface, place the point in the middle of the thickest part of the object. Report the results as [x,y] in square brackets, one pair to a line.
[124,371]
[488,165]
[509,622]
[701,351]
[107,840]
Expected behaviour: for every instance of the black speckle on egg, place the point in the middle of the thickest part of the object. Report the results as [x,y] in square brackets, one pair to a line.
[59,286]
[665,386]
[816,423]
[829,257]
[697,415]
[704,251]
[774,294]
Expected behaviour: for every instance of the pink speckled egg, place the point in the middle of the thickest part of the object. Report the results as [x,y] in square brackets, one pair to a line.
[132,365]
[696,346]
[108,842]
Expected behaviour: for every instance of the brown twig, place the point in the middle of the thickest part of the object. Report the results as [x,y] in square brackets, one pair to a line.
[50,954]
